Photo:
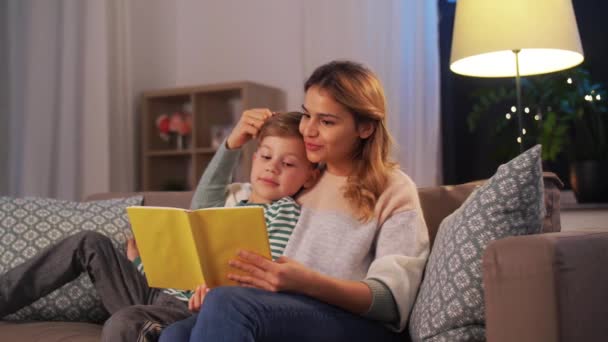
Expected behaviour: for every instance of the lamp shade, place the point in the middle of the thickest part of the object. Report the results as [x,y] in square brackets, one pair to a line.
[487,32]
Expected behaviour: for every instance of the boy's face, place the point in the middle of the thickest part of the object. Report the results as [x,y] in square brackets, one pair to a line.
[279,169]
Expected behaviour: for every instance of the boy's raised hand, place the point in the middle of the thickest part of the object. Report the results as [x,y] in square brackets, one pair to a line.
[248,127]
[196,301]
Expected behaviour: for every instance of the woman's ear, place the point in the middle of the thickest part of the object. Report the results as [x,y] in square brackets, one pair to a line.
[366,129]
[312,178]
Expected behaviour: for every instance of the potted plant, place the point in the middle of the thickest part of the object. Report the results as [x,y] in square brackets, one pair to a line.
[565,112]
[589,150]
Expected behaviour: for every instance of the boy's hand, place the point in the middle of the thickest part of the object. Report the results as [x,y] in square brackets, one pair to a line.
[132,251]
[248,127]
[197,299]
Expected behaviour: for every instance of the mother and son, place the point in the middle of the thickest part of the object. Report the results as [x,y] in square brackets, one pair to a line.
[349,242]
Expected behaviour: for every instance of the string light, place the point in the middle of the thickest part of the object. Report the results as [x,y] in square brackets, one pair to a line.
[513,109]
[519,140]
[589,98]
[537,117]
[508,116]
[569,80]
[598,97]
[527,110]
[523,131]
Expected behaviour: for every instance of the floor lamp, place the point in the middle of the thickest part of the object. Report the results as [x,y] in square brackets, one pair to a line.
[514,38]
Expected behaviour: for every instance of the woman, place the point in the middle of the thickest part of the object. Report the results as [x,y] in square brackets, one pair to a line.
[354,262]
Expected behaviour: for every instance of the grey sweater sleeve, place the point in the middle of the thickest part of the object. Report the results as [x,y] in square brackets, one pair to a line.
[211,188]
[383,307]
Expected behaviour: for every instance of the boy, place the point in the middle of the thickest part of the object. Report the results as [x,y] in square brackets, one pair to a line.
[279,170]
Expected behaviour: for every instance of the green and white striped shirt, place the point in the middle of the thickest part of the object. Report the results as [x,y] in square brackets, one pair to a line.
[281,217]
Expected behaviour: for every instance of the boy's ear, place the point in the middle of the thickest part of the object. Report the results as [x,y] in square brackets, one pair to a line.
[366,129]
[312,178]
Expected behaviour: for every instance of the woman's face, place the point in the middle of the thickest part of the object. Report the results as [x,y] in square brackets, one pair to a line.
[329,130]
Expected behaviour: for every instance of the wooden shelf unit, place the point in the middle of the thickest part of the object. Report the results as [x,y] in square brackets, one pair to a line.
[165,167]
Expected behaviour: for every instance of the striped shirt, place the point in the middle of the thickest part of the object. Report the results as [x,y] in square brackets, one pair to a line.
[281,217]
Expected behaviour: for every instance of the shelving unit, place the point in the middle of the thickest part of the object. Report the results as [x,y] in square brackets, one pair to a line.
[214,108]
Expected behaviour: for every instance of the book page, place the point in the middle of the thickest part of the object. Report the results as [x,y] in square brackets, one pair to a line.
[221,232]
[166,247]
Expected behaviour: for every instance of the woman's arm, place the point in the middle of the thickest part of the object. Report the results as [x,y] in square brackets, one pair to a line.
[353,296]
[288,275]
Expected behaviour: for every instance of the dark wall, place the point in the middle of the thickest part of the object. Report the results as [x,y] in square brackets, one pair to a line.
[469,156]
[4,98]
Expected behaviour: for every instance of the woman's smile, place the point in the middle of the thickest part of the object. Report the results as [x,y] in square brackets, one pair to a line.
[313,147]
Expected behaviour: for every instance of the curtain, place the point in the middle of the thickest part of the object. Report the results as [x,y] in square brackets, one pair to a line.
[66,117]
[399,40]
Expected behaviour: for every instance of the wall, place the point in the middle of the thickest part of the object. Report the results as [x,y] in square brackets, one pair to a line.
[152,33]
[150,50]
[3,99]
[232,40]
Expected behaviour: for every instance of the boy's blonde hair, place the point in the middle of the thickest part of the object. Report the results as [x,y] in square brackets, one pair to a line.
[281,125]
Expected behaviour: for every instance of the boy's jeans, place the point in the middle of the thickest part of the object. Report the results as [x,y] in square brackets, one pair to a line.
[247,314]
[124,292]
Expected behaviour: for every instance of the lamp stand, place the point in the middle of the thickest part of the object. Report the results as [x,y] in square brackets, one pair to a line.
[520,119]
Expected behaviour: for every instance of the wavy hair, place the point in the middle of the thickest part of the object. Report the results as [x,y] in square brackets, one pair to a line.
[358,89]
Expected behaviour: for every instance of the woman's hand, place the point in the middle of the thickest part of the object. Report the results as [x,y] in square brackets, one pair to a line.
[198,297]
[248,127]
[282,275]
[288,275]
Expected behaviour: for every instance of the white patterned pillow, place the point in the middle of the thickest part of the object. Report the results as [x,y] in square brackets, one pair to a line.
[29,225]
[450,304]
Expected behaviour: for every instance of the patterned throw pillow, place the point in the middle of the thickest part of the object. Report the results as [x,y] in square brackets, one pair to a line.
[28,225]
[450,304]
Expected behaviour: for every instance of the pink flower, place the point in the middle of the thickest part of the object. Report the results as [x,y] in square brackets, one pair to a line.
[162,124]
[178,123]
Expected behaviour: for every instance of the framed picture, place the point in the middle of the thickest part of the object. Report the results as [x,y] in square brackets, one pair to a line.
[219,133]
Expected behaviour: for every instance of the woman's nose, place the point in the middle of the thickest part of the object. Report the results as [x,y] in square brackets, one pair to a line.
[310,128]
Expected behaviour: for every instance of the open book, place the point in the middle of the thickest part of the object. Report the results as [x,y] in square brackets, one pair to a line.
[183,249]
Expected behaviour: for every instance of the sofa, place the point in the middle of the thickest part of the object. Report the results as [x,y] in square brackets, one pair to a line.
[544,287]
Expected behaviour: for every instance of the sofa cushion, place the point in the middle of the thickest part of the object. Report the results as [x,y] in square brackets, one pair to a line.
[450,303]
[28,225]
[49,331]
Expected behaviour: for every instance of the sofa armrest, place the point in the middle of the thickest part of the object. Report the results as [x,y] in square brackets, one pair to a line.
[547,287]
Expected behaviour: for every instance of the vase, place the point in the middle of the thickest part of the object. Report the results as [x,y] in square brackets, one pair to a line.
[178,141]
[589,181]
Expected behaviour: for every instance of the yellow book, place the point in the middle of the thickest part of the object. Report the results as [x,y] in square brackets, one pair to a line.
[183,249]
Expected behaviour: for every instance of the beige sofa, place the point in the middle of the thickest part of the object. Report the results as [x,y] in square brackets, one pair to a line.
[545,287]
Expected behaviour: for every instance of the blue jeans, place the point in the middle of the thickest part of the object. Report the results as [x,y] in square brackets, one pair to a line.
[246,314]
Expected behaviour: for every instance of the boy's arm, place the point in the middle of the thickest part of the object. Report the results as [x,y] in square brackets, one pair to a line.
[211,189]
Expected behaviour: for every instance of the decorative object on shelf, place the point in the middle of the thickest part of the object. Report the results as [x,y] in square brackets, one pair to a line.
[198,108]
[175,128]
[514,38]
[219,133]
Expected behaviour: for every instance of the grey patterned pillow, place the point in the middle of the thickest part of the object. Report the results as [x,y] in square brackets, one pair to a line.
[28,225]
[450,303]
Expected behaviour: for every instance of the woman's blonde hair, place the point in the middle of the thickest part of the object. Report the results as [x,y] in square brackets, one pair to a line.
[358,89]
